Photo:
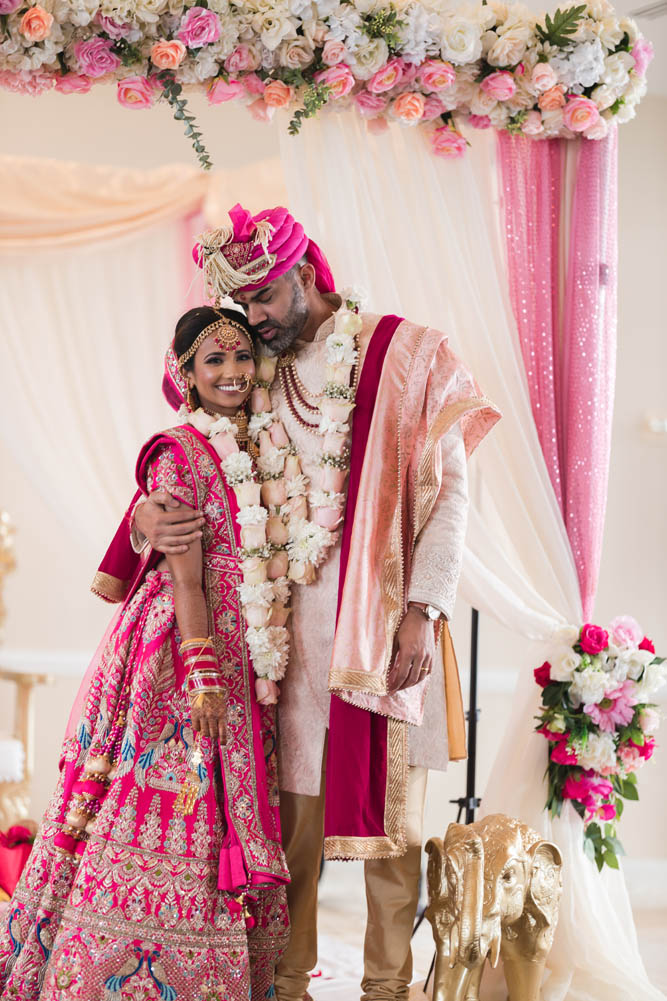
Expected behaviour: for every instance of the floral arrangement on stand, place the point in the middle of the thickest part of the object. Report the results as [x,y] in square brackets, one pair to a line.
[600,722]
[411,61]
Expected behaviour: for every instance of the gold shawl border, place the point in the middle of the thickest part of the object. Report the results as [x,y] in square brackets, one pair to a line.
[394,843]
[109,588]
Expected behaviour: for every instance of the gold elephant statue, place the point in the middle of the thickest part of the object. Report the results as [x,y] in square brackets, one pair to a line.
[494,890]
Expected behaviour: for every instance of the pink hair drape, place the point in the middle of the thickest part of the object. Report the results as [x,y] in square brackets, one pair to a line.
[561,254]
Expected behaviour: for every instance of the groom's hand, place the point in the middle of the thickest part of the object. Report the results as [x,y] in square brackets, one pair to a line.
[415,643]
[169,526]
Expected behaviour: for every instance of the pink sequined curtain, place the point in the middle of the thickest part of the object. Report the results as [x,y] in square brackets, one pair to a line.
[561,237]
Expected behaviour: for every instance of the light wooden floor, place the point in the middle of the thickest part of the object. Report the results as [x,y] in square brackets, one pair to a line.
[341,930]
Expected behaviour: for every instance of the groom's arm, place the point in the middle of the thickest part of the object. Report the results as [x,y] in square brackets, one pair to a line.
[436,566]
[169,526]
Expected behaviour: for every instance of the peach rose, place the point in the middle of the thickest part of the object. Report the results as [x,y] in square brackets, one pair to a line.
[339,79]
[447,142]
[274,491]
[278,565]
[298,507]
[292,466]
[580,113]
[334,442]
[279,435]
[408,108]
[302,573]
[435,74]
[135,92]
[266,692]
[339,373]
[253,536]
[337,410]
[276,530]
[499,85]
[266,368]
[254,570]
[260,401]
[552,99]
[333,53]
[277,94]
[279,615]
[532,124]
[387,77]
[257,615]
[220,91]
[247,493]
[327,517]
[168,55]
[332,478]
[265,443]
[544,77]
[35,25]
[224,444]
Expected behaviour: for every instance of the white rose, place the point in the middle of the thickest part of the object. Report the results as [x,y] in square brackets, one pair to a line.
[626,113]
[588,687]
[654,677]
[296,55]
[599,9]
[599,752]
[499,116]
[636,661]
[461,40]
[367,59]
[629,28]
[616,70]
[508,49]
[149,10]
[636,88]
[274,28]
[482,103]
[603,96]
[566,635]
[552,121]
[564,662]
[609,32]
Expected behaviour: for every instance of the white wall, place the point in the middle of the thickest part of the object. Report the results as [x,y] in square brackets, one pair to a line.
[55,621]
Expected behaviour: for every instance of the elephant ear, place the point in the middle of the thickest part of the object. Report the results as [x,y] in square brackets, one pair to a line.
[545,888]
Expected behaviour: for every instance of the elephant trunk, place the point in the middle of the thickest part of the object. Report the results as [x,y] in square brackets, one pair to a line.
[466,930]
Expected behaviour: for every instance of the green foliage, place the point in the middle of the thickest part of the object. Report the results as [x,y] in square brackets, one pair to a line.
[172,93]
[128,54]
[315,97]
[385,23]
[515,122]
[559,29]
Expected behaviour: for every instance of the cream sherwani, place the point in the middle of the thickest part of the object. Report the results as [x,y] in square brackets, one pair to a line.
[303,715]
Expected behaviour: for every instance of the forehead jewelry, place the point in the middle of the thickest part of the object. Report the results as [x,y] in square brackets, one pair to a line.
[227,337]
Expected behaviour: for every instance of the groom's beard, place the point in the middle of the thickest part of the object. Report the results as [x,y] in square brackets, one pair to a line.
[289,329]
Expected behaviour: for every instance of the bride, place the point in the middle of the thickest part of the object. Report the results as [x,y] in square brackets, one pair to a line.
[158,872]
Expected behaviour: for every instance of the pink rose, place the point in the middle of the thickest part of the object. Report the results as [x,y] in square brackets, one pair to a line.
[277,94]
[642,53]
[339,79]
[626,631]
[593,639]
[562,754]
[112,28]
[580,113]
[35,25]
[333,53]
[479,121]
[221,91]
[447,142]
[135,92]
[260,110]
[95,57]
[532,124]
[543,674]
[606,811]
[73,83]
[408,108]
[168,55]
[433,108]
[387,77]
[649,720]
[242,60]
[9,6]
[499,85]
[646,749]
[410,72]
[647,644]
[254,84]
[199,26]
[544,77]
[32,82]
[370,105]
[434,74]
[552,99]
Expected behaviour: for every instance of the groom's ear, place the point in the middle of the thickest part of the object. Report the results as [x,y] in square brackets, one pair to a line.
[307,275]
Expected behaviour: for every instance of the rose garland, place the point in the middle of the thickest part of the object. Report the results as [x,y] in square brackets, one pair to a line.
[416,62]
[600,722]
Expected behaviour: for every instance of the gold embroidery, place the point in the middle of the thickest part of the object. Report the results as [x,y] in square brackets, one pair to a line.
[109,588]
[358,681]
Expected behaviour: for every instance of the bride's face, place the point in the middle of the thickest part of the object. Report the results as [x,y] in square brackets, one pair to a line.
[223,379]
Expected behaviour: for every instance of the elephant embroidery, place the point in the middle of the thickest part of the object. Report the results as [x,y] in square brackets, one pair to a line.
[494,891]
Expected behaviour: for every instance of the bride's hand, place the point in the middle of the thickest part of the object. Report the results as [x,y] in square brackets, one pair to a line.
[267,692]
[210,717]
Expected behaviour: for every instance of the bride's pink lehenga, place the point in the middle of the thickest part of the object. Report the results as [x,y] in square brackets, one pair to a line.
[177,894]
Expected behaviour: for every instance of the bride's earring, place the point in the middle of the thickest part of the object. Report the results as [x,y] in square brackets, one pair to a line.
[192,399]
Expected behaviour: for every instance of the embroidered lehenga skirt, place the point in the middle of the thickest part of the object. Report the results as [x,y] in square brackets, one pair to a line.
[177,893]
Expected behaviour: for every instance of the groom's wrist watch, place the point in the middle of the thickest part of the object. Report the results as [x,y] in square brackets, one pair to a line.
[429,612]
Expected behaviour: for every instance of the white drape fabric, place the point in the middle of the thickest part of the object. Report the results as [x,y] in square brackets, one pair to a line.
[423,237]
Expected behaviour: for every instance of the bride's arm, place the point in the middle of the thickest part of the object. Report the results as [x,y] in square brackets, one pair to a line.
[209,709]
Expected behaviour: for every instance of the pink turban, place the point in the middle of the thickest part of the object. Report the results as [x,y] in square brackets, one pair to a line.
[256,249]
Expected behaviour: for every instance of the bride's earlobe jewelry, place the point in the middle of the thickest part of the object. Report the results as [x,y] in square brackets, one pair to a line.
[192,399]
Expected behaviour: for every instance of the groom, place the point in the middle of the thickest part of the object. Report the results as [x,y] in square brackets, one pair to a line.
[392,577]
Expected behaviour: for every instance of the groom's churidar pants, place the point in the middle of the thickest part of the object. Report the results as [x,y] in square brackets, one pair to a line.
[392,895]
